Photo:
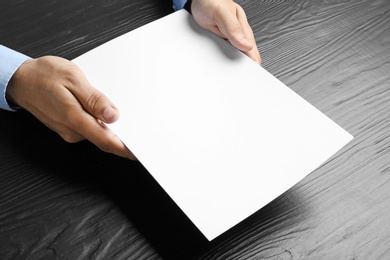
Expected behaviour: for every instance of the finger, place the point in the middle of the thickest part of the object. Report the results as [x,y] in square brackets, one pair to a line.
[101,136]
[254,52]
[231,27]
[214,29]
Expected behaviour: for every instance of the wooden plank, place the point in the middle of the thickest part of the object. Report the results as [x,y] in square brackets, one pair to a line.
[334,54]
[60,200]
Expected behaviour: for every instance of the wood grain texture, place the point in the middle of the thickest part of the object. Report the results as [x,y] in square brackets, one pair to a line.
[336,55]
[71,201]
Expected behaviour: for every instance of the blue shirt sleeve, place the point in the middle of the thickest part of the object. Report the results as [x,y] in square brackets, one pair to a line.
[179,4]
[10,61]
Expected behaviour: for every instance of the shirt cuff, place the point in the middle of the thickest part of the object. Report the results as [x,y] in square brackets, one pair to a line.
[179,4]
[10,61]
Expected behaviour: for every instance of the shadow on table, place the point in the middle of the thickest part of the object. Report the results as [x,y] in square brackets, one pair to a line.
[132,189]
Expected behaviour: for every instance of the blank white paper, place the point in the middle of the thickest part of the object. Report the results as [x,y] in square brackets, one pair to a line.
[220,134]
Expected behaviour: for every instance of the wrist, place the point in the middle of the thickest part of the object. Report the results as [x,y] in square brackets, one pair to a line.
[10,61]
[14,91]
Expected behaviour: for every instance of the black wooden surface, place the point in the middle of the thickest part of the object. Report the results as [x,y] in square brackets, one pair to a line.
[72,201]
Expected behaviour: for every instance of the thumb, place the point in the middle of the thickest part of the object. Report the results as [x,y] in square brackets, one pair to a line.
[98,105]
[233,24]
[233,31]
[95,102]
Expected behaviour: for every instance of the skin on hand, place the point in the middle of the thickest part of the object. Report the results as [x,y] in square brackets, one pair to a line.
[227,19]
[57,92]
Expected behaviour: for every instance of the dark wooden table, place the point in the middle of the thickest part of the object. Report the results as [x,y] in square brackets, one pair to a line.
[72,201]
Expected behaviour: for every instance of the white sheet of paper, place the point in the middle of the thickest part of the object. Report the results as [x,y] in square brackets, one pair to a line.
[220,134]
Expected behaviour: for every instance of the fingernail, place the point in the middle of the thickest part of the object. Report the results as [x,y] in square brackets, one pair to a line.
[110,114]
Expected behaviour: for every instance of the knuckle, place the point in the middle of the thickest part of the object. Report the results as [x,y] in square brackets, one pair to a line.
[93,101]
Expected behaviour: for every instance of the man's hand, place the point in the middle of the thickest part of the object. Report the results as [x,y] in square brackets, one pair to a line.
[227,19]
[56,92]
